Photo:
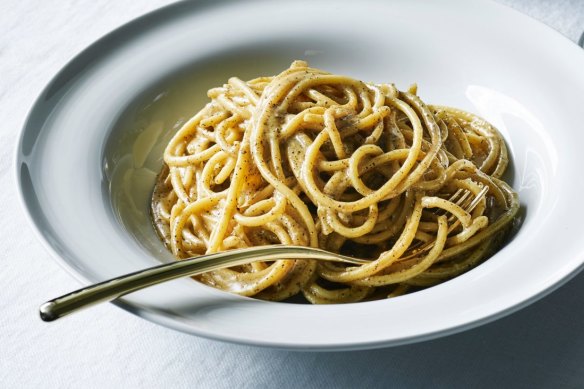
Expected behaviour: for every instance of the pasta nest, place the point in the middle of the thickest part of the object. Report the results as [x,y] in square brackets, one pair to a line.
[316,159]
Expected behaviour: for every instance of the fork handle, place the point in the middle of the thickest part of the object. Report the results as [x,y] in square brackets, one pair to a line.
[119,286]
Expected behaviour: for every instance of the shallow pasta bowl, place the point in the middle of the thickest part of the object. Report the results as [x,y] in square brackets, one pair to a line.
[90,149]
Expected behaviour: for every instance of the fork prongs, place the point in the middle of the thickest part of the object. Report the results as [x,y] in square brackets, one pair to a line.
[460,198]
[464,193]
[477,199]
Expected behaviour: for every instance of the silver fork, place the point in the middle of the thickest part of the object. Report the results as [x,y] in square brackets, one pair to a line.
[119,286]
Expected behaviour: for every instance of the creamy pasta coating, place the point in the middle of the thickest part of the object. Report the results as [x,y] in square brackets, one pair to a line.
[316,159]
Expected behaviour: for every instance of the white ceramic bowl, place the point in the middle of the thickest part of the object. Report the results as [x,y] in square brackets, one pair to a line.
[93,142]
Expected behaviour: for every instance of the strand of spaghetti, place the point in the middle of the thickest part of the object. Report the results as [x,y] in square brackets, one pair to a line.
[316,294]
[256,143]
[353,232]
[502,222]
[276,206]
[416,269]
[299,276]
[449,269]
[207,180]
[221,135]
[251,95]
[230,205]
[183,214]
[349,274]
[178,186]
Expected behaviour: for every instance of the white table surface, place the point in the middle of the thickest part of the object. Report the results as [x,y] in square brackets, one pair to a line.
[540,346]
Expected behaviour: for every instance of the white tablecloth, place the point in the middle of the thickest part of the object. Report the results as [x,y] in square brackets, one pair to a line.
[540,346]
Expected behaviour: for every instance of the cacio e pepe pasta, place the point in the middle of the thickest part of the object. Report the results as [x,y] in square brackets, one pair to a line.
[316,159]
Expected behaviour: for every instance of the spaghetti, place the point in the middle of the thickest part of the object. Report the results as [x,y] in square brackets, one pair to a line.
[322,160]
